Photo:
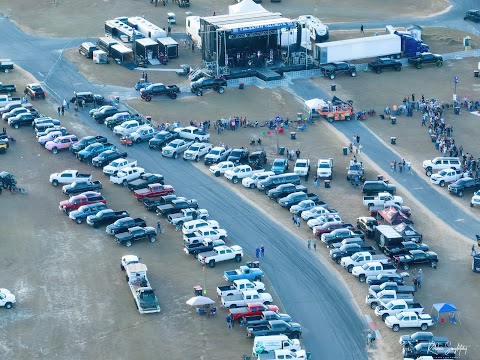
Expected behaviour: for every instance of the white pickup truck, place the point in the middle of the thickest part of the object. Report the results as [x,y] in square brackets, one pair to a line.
[382,199]
[251,182]
[221,168]
[68,177]
[397,306]
[7,299]
[219,254]
[385,296]
[409,319]
[285,354]
[325,168]
[117,165]
[372,269]
[126,175]
[186,215]
[144,295]
[196,151]
[239,286]
[446,176]
[246,297]
[193,133]
[204,233]
[241,172]
[192,226]
[302,167]
[361,258]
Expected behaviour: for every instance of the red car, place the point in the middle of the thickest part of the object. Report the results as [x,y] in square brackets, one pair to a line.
[329,227]
[153,190]
[251,310]
[88,197]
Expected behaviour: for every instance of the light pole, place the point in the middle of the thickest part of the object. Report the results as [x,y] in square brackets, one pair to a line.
[277,121]
[455,81]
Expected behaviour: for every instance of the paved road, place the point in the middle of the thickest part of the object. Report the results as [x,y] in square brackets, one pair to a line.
[309,289]
[440,204]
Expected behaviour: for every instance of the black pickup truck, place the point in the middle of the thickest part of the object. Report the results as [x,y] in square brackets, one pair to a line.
[404,248]
[295,198]
[385,63]
[106,217]
[206,245]
[82,186]
[122,225]
[151,204]
[176,206]
[285,189]
[340,234]
[87,140]
[383,278]
[107,157]
[144,180]
[6,65]
[159,89]
[276,327]
[462,185]
[136,233]
[217,84]
[162,138]
[348,250]
[367,224]
[331,70]
[426,58]
[7,89]
[415,257]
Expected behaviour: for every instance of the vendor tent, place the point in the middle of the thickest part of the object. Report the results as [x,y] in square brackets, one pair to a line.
[442,308]
[393,217]
[315,103]
[200,301]
[408,232]
[245,6]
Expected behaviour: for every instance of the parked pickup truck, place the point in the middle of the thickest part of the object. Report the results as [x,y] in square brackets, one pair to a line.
[382,278]
[417,257]
[382,199]
[319,210]
[355,169]
[126,175]
[153,190]
[193,133]
[106,217]
[205,233]
[93,150]
[295,198]
[353,240]
[251,310]
[243,273]
[68,177]
[222,167]
[87,140]
[304,205]
[302,167]
[409,319]
[175,148]
[244,298]
[383,297]
[7,89]
[123,224]
[426,58]
[360,258]
[348,250]
[6,65]
[285,189]
[279,166]
[241,172]
[144,180]
[196,151]
[239,286]
[81,186]
[385,63]
[404,248]
[399,289]
[159,89]
[219,254]
[265,318]
[136,233]
[251,182]
[151,204]
[7,299]
[217,155]
[173,206]
[331,70]
[204,246]
[88,197]
[373,268]
[422,337]
[338,235]
[462,185]
[144,295]
[396,306]
[276,327]
[367,224]
[446,176]
[185,215]
[285,354]
[117,165]
[85,210]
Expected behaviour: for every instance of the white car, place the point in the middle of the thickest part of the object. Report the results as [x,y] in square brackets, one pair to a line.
[117,165]
[7,299]
[192,226]
[126,128]
[251,182]
[314,213]
[196,151]
[221,168]
[323,219]
[126,175]
[475,199]
[175,147]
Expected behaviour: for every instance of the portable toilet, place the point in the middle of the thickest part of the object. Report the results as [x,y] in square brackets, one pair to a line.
[100,57]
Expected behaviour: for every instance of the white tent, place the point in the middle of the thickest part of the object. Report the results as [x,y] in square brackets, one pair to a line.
[245,6]
[315,103]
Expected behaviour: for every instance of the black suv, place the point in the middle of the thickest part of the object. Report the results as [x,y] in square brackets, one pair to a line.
[375,187]
[238,156]
[257,158]
[107,157]
[101,115]
[88,97]
[473,15]
[21,119]
[161,139]
[217,84]
[35,91]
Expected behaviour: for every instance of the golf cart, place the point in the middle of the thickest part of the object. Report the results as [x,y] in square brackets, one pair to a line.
[185,70]
[171,18]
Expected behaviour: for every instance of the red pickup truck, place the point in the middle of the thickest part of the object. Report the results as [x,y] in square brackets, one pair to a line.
[88,197]
[251,310]
[153,190]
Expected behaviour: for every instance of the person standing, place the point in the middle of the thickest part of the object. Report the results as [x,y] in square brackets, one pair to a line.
[298,221]
[257,252]
[409,167]
[159,227]
[315,245]
[169,31]
[413,97]
[358,140]
[59,110]
[309,243]
[193,47]
[229,321]
[262,250]
[65,103]
[298,153]
[420,278]
[361,29]
[394,165]
[400,166]
[415,283]
[315,181]
[63,110]
[294,219]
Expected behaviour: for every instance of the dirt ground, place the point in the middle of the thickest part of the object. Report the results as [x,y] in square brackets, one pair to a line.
[36,16]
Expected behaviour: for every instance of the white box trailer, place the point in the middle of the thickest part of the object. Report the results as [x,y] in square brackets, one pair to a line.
[193,29]
[100,57]
[361,48]
[147,28]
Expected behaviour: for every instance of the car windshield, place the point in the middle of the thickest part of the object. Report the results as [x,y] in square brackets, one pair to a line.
[173,144]
[442,173]
[236,170]
[215,152]
[90,147]
[365,266]
[255,176]
[302,164]
[57,140]
[236,153]
[194,147]
[355,257]
[399,316]
[278,163]
[323,166]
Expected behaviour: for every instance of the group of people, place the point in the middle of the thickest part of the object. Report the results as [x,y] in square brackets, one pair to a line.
[402,165]
[260,251]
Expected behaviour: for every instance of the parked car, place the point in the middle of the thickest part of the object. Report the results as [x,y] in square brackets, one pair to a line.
[107,157]
[417,257]
[221,168]
[81,186]
[239,156]
[175,148]
[61,143]
[136,233]
[196,151]
[35,91]
[161,139]
[279,166]
[106,217]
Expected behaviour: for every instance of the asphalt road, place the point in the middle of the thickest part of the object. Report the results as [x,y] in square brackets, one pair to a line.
[310,291]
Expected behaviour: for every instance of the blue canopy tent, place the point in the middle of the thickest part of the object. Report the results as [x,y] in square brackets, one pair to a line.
[446,308]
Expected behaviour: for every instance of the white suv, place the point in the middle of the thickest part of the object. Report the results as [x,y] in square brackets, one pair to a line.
[441,163]
[126,128]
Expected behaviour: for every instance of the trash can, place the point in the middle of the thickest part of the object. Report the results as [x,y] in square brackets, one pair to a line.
[393,140]
[281,150]
[333,87]
[456,110]
[345,151]
[394,120]
[197,290]
[148,119]
[293,135]
[241,85]
[379,177]
[327,184]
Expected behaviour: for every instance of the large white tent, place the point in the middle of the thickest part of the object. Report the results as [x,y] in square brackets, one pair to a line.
[245,6]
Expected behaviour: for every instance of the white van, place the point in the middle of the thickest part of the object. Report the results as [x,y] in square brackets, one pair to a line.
[441,163]
[192,226]
[264,344]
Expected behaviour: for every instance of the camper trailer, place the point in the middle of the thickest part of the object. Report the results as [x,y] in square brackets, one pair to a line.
[193,29]
[148,29]
[111,27]
[317,30]
[127,33]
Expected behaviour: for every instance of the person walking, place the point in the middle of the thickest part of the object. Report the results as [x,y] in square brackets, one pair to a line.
[257,252]
[76,107]
[420,278]
[193,47]
[63,110]
[298,153]
[315,245]
[309,243]
[409,167]
[294,218]
[59,110]
[229,321]
[358,140]
[394,165]
[361,29]
[472,253]
[159,227]
[316,181]
[415,283]
[169,31]
[298,221]
[262,250]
